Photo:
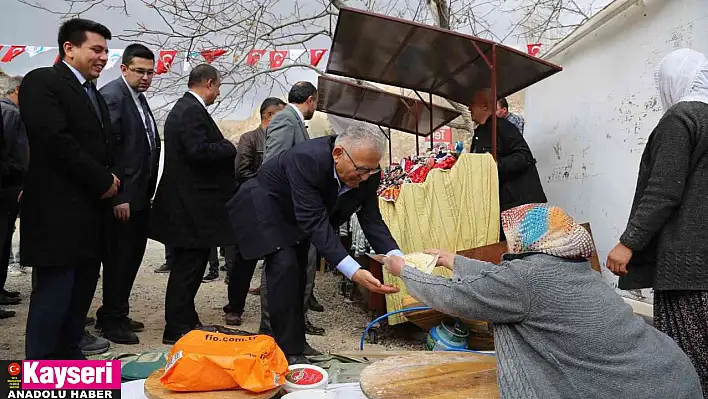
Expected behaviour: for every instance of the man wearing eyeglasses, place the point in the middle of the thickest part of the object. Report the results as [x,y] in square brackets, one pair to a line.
[132,118]
[291,202]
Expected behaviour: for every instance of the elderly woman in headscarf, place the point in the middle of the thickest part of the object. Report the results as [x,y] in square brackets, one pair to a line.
[560,331]
[665,244]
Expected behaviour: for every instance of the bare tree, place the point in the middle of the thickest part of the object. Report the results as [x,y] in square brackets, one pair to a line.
[240,26]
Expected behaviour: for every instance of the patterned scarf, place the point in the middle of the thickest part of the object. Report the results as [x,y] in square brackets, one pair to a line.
[546,229]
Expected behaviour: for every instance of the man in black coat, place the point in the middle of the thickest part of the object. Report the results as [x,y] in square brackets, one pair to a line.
[291,202]
[189,211]
[519,183]
[14,158]
[72,177]
[131,116]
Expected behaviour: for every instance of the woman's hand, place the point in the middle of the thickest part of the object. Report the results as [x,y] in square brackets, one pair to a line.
[394,264]
[618,258]
[445,259]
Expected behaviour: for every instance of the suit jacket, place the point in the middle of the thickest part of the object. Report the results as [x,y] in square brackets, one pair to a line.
[141,164]
[284,131]
[519,183]
[64,221]
[293,198]
[14,152]
[250,154]
[189,210]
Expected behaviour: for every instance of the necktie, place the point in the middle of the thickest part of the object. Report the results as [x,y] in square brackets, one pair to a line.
[91,91]
[149,127]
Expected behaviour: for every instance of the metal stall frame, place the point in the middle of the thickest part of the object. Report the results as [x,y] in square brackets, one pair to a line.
[428,59]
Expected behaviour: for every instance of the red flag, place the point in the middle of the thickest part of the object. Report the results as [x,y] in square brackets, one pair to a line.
[13,52]
[164,61]
[316,56]
[534,49]
[277,57]
[254,56]
[211,55]
[56,60]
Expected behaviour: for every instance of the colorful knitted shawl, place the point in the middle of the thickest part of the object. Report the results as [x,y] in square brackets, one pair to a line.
[546,229]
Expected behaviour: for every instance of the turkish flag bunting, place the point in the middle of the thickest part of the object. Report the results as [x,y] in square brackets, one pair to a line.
[316,56]
[277,57]
[13,52]
[534,49]
[254,56]
[211,55]
[164,61]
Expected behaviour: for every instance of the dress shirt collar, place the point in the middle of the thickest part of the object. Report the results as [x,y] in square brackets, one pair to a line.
[133,93]
[78,74]
[201,100]
[299,113]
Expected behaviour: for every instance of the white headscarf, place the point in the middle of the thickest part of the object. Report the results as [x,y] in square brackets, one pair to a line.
[683,76]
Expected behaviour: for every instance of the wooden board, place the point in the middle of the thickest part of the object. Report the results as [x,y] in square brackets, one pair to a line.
[155,390]
[428,375]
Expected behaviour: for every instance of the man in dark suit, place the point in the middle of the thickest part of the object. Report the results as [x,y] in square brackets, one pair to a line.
[248,161]
[72,178]
[14,158]
[285,131]
[189,211]
[291,202]
[131,116]
[519,182]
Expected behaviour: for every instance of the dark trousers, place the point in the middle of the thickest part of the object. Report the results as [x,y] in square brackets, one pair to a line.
[126,250]
[60,300]
[188,267]
[239,280]
[8,216]
[168,255]
[214,260]
[285,272]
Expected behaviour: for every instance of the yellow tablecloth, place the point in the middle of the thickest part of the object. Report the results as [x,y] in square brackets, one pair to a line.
[453,209]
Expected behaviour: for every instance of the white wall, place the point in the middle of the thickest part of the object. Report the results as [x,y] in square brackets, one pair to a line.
[588,124]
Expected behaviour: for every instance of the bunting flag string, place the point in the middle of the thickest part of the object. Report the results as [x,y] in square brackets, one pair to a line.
[165,58]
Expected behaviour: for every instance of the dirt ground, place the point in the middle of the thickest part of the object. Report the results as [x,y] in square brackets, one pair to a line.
[344,321]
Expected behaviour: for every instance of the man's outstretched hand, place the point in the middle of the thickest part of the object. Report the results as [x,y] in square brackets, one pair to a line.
[371,283]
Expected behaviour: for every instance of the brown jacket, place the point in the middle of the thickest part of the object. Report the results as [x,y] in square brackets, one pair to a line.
[250,154]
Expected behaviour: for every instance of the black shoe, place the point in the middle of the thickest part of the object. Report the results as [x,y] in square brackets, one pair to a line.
[170,339]
[299,359]
[92,345]
[312,330]
[211,276]
[134,326]
[89,321]
[314,305]
[6,300]
[234,319]
[310,351]
[163,269]
[5,314]
[121,335]
[222,268]
[11,294]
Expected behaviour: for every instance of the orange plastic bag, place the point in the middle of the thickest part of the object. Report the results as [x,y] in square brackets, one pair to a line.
[211,361]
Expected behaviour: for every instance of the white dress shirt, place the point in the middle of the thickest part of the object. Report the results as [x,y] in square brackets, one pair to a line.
[78,74]
[201,100]
[144,117]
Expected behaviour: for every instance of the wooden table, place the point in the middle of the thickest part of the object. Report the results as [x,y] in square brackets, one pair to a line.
[432,375]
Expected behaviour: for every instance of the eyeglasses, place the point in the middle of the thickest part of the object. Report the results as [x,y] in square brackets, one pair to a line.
[360,170]
[143,72]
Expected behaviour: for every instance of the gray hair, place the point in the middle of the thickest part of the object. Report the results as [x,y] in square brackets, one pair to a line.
[8,84]
[361,134]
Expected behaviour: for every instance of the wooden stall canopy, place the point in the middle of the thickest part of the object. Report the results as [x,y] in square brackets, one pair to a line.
[382,108]
[429,59]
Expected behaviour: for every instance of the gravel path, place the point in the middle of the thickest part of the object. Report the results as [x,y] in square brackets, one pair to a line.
[343,320]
